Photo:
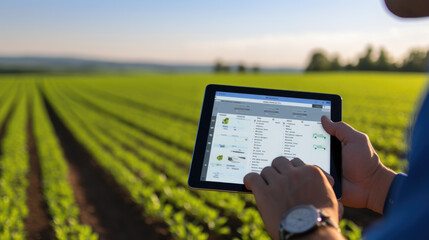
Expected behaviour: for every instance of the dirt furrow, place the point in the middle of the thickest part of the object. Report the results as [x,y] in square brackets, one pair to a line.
[38,220]
[104,205]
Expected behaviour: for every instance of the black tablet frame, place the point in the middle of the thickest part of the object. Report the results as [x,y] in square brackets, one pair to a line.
[204,125]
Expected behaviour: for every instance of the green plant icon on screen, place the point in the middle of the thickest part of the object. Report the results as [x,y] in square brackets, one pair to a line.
[319,135]
[225,121]
[319,147]
[220,157]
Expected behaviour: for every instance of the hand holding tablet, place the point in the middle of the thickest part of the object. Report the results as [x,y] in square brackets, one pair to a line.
[243,129]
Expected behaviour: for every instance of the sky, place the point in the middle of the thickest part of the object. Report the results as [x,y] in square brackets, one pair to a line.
[276,33]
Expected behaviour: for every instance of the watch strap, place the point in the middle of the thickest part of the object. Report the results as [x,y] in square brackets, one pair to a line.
[323,220]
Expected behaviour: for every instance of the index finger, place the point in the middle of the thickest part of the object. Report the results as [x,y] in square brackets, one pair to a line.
[281,164]
[254,182]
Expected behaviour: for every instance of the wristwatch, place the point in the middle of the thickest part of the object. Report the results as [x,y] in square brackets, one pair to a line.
[302,219]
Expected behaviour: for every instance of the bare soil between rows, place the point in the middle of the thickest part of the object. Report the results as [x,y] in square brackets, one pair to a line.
[38,220]
[104,205]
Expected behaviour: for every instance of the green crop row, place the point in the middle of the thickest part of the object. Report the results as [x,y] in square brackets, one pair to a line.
[384,122]
[150,101]
[125,135]
[158,125]
[14,166]
[142,192]
[141,128]
[5,107]
[171,192]
[386,130]
[56,189]
[6,87]
[113,132]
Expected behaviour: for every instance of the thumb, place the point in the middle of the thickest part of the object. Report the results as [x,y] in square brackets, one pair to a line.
[341,130]
[328,125]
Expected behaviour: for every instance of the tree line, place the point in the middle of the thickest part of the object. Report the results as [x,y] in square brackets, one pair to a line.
[221,67]
[415,61]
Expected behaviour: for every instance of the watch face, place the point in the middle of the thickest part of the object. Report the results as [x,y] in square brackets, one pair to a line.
[300,219]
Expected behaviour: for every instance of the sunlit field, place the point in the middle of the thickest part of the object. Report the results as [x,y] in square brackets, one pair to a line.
[106,156]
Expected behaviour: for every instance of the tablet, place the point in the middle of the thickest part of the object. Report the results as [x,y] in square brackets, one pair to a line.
[242,129]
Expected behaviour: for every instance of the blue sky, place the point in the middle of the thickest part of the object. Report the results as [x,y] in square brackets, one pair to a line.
[268,33]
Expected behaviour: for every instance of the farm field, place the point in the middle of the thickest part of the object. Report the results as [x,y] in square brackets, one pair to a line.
[106,156]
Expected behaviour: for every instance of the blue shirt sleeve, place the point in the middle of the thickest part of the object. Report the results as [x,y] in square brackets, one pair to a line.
[393,191]
[407,205]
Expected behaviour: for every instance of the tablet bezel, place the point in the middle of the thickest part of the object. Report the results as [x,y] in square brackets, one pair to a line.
[204,125]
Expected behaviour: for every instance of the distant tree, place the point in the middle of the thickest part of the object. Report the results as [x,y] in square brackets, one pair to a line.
[318,62]
[226,69]
[383,62]
[366,62]
[416,61]
[335,64]
[255,69]
[349,67]
[220,67]
[241,68]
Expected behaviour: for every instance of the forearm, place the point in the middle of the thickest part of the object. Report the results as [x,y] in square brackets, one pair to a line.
[381,184]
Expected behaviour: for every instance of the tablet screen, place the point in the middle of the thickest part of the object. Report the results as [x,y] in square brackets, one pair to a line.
[247,131]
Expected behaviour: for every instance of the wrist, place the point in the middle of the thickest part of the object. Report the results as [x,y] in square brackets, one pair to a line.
[381,181]
[304,222]
[331,212]
[327,231]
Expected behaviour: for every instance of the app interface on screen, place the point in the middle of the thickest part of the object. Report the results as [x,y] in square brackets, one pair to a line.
[248,131]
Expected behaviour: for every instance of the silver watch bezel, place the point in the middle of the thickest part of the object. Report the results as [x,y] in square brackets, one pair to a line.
[286,233]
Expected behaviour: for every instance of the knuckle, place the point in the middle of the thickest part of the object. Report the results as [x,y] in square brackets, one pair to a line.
[266,170]
[313,171]
[341,124]
[363,136]
[331,180]
[278,160]
[296,161]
